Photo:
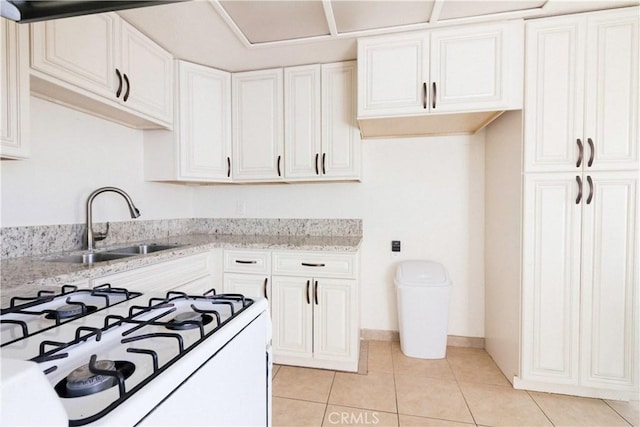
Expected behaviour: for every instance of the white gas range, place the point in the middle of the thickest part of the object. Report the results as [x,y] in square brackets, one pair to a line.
[108,356]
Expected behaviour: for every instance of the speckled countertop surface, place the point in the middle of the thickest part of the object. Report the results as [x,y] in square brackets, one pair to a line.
[27,275]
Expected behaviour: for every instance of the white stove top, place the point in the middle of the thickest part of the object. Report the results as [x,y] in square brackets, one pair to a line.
[144,347]
[34,315]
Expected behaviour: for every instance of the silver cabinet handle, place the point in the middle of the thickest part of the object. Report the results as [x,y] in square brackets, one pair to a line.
[590,181]
[580,152]
[579,181]
[593,149]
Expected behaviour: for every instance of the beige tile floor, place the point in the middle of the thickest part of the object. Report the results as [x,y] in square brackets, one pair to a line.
[464,389]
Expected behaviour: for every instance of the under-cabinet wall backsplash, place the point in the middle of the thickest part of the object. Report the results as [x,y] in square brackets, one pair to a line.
[45,239]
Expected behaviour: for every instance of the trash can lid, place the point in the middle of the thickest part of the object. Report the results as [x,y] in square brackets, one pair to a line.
[421,273]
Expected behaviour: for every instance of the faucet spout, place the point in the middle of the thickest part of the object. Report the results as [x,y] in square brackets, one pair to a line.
[93,236]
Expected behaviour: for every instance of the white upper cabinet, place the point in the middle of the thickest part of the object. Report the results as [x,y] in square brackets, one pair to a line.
[204,122]
[302,101]
[102,65]
[471,68]
[80,51]
[393,74]
[199,147]
[581,95]
[611,97]
[321,137]
[14,90]
[258,142]
[148,70]
[341,145]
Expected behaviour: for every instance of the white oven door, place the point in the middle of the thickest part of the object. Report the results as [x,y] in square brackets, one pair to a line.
[231,389]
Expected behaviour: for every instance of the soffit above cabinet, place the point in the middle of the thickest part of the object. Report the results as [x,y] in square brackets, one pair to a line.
[244,35]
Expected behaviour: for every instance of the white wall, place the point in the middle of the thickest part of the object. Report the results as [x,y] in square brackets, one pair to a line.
[426,192]
[72,154]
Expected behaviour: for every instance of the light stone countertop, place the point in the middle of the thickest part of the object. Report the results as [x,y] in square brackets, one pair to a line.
[27,275]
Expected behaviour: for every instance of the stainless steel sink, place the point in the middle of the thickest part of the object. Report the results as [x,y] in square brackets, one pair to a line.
[90,258]
[142,249]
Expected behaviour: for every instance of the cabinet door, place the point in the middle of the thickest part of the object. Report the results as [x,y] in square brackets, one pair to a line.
[148,73]
[610,281]
[14,90]
[334,318]
[204,123]
[258,143]
[302,121]
[341,146]
[392,73]
[249,285]
[469,67]
[611,104]
[551,278]
[292,312]
[554,94]
[82,51]
[165,276]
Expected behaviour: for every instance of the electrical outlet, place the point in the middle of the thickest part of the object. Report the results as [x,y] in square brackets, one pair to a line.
[395,246]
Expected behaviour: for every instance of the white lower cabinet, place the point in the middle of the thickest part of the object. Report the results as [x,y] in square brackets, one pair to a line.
[195,274]
[247,272]
[580,284]
[315,317]
[249,285]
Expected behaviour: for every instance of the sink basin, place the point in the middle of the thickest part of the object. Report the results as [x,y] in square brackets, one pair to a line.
[93,257]
[142,249]
[90,258]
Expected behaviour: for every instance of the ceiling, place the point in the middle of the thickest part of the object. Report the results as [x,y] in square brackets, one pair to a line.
[237,35]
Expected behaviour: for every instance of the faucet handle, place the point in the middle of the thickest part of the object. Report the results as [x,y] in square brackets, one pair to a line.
[101,235]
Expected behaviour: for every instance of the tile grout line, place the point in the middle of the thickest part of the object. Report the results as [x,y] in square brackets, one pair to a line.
[326,405]
[540,407]
[461,392]
[619,414]
[395,388]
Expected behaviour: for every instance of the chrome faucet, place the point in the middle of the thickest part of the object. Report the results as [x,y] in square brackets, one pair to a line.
[91,236]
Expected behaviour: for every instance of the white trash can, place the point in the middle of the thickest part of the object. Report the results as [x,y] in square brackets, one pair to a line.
[423,291]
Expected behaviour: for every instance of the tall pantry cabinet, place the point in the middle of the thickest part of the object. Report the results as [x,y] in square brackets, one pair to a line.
[579,310]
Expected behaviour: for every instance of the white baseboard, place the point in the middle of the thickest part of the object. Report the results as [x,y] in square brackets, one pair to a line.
[452,340]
